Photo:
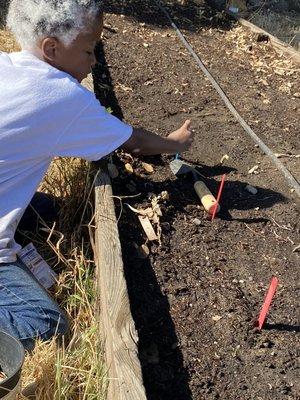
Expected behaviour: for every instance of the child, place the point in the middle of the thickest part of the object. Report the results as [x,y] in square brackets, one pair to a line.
[45,112]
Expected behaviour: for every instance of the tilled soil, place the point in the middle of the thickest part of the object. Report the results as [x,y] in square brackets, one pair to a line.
[194,299]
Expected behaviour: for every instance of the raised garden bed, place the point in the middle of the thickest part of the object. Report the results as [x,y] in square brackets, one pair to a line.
[194,299]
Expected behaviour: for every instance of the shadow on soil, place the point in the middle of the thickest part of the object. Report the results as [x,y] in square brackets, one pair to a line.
[181,191]
[189,16]
[163,372]
[282,327]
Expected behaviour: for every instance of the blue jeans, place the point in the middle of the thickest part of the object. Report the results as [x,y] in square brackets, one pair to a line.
[27,311]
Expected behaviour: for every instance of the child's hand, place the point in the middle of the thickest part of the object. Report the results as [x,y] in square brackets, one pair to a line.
[149,143]
[182,138]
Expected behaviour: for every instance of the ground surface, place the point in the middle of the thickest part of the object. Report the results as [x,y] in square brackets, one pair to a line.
[194,299]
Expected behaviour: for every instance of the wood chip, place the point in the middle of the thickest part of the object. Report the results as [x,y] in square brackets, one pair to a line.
[148,228]
[224,158]
[296,249]
[280,155]
[216,318]
[124,88]
[148,168]
[2,376]
[129,168]
[253,170]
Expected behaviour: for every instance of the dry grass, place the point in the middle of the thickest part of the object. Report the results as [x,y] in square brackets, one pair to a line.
[75,370]
[7,42]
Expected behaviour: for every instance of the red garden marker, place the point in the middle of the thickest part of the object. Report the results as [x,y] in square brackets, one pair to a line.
[265,308]
[218,197]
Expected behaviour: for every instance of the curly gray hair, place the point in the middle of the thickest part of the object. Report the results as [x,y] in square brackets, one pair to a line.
[32,20]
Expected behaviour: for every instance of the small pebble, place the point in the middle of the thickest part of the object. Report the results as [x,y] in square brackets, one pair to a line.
[251,189]
[196,221]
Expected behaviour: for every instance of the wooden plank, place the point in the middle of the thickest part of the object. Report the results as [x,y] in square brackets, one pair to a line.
[117,326]
[279,46]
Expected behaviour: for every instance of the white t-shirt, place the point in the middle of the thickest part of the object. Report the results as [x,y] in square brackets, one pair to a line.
[44,113]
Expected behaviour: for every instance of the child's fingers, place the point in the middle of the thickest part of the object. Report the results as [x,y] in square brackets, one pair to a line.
[187,124]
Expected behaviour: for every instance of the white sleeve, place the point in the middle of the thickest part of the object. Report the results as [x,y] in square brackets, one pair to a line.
[93,134]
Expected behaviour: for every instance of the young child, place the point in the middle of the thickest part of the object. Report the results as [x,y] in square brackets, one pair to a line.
[46,112]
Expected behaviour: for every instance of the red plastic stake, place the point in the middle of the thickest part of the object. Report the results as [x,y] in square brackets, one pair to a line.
[268,300]
[218,197]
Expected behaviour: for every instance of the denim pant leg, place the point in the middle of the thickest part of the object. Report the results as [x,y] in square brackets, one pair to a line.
[27,312]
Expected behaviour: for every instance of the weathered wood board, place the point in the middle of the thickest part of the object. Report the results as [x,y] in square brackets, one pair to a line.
[117,327]
[120,336]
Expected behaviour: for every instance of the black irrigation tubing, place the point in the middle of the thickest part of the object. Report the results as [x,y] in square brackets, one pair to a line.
[288,176]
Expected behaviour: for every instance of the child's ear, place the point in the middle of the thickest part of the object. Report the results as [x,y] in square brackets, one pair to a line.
[49,47]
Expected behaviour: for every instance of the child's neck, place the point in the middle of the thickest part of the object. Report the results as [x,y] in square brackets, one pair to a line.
[34,51]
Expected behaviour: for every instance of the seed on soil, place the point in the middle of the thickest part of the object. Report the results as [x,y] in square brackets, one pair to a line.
[216,318]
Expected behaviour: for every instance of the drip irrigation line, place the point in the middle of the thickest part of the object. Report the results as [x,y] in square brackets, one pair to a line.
[287,174]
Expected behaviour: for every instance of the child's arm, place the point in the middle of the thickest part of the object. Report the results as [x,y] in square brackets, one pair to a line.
[143,142]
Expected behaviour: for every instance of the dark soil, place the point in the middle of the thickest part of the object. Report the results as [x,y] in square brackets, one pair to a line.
[195,298]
